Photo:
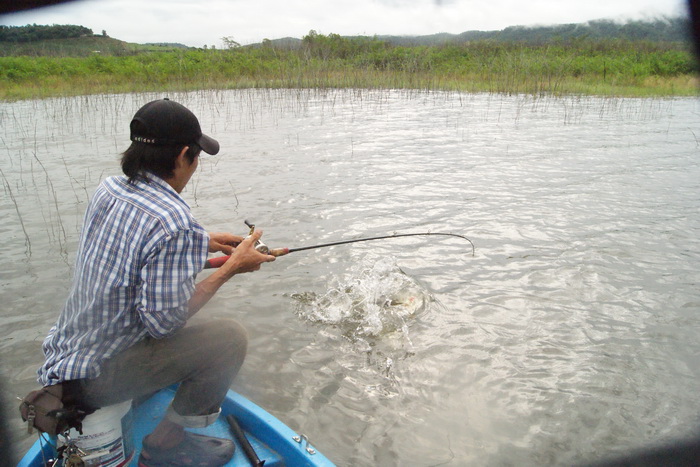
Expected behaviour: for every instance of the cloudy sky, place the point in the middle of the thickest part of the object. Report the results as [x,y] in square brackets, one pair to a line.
[200,22]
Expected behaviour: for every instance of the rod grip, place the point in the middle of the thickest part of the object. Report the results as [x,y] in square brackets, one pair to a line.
[279,252]
[218,261]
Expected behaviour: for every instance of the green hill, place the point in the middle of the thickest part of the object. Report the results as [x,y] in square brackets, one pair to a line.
[82,46]
[71,47]
[656,30]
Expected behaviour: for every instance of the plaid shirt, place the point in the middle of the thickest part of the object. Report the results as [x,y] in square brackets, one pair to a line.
[140,252]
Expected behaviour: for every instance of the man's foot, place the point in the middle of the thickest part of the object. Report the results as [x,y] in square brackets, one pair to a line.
[194,450]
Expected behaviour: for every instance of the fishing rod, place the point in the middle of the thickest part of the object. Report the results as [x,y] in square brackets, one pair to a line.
[261,247]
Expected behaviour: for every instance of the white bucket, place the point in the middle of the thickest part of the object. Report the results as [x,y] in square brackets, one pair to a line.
[107,436]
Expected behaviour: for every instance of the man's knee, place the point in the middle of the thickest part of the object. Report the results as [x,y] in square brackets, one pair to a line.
[230,336]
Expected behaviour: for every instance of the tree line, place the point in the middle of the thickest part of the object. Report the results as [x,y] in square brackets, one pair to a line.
[35,32]
[658,30]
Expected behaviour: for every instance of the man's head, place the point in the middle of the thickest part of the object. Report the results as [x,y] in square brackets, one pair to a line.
[159,132]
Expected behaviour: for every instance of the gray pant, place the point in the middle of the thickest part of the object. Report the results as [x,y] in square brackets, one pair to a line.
[204,358]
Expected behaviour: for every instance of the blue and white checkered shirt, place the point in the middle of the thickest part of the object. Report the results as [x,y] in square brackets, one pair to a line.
[140,252]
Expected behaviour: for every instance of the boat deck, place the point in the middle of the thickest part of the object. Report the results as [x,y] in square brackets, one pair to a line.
[151,412]
[280,448]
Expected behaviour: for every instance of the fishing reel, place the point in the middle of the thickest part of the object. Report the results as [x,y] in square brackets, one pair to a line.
[259,246]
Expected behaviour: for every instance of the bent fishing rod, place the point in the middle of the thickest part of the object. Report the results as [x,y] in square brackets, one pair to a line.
[261,247]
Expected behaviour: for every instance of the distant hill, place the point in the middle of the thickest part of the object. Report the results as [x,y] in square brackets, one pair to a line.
[285,43]
[34,32]
[81,47]
[70,47]
[172,45]
[658,30]
[78,41]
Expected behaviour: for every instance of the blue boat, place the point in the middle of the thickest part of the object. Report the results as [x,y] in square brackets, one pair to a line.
[273,442]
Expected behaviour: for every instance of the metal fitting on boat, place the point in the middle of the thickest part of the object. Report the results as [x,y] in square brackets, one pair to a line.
[301,438]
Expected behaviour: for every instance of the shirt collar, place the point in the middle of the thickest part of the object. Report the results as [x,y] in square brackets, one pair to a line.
[155,179]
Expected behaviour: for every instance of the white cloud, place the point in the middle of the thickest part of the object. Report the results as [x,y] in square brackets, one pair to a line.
[197,23]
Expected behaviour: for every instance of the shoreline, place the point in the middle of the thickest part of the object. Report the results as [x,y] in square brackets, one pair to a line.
[668,87]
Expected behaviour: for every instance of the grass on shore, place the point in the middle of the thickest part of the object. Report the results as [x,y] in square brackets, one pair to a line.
[609,68]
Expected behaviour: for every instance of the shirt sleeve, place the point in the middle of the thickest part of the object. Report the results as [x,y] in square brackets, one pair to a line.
[168,281]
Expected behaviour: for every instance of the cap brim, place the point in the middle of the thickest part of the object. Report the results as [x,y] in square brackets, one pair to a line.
[208,144]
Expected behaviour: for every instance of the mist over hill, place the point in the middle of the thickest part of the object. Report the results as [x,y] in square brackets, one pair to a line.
[655,30]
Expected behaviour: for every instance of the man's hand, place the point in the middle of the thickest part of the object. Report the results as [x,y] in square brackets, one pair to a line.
[245,258]
[223,242]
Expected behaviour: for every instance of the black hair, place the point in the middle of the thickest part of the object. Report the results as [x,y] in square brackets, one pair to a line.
[158,159]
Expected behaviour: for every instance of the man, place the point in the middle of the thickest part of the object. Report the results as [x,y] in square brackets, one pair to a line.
[122,333]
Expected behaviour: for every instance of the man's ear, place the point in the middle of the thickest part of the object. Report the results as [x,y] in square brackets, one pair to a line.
[181,159]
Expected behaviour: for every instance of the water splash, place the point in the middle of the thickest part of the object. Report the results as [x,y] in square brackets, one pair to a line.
[375,300]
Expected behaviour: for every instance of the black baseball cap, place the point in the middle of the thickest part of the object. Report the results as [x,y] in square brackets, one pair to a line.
[167,122]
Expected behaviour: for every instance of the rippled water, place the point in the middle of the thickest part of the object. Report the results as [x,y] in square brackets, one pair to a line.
[571,335]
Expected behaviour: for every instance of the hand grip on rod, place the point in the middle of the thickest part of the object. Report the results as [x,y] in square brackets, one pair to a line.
[218,261]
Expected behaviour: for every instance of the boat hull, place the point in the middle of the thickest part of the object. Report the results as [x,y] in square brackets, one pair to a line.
[273,441]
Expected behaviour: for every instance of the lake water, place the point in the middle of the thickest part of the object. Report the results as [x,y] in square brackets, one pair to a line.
[572,333]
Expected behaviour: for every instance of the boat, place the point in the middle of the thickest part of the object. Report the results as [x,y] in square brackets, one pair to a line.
[274,443]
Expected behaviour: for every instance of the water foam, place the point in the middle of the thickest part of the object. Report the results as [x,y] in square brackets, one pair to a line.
[374,299]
